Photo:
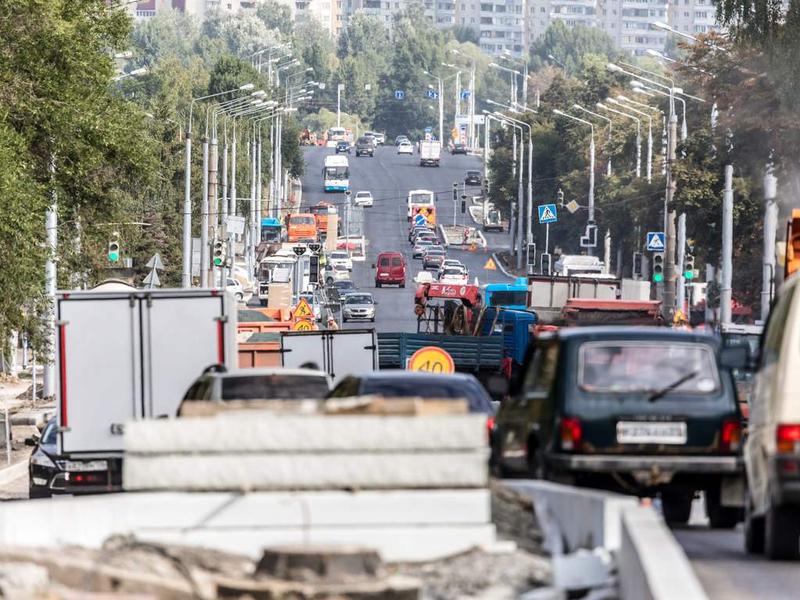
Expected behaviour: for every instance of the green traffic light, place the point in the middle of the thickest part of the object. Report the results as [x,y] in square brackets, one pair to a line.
[113,256]
[658,277]
[689,275]
[217,261]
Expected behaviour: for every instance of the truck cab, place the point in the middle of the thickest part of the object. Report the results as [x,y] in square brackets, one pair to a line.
[302,227]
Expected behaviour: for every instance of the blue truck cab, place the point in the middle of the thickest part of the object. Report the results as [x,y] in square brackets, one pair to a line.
[508,295]
[515,326]
[270,230]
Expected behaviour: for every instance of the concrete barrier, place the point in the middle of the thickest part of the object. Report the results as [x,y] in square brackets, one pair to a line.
[650,563]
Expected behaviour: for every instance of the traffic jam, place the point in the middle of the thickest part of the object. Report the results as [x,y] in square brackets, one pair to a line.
[579,381]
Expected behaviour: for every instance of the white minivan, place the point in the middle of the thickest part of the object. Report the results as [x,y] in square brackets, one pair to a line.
[772,449]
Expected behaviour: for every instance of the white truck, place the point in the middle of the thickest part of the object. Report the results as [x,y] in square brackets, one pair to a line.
[125,354]
[429,153]
[339,352]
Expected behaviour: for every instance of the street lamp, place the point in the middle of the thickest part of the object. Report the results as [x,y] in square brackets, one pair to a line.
[590,224]
[186,275]
[471,103]
[664,27]
[610,130]
[619,101]
[514,74]
[457,105]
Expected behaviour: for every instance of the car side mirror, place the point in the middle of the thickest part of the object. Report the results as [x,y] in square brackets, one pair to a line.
[373,265]
[735,357]
[32,441]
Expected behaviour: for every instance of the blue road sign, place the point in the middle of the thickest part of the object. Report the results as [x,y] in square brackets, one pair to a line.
[428,129]
[656,241]
[465,94]
[399,95]
[547,213]
[432,94]
[420,220]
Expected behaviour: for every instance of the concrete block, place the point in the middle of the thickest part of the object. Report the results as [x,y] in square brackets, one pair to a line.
[216,472]
[255,431]
[581,570]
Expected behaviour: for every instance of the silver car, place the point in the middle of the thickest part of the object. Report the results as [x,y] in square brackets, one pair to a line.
[358,306]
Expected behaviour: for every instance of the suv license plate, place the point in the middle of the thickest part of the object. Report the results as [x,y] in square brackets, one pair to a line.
[637,432]
[89,465]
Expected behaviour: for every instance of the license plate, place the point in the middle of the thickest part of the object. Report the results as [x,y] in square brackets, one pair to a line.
[634,432]
[88,465]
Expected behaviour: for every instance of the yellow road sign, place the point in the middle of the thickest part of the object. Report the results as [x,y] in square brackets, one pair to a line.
[432,360]
[490,265]
[303,325]
[303,310]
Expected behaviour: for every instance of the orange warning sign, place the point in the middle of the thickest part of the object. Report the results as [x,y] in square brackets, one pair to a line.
[431,359]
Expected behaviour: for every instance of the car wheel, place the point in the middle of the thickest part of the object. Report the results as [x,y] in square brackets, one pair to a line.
[377,284]
[782,533]
[676,508]
[496,467]
[239,297]
[37,492]
[402,285]
[372,320]
[753,528]
[721,517]
[344,319]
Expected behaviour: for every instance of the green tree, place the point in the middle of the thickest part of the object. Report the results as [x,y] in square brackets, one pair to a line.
[568,45]
[275,15]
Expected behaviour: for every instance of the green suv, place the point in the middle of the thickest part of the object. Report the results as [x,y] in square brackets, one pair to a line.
[640,410]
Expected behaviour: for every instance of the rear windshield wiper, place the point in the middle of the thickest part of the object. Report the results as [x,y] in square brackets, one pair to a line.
[673,386]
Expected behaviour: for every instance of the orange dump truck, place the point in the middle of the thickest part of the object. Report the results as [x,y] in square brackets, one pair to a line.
[258,333]
[302,227]
[320,212]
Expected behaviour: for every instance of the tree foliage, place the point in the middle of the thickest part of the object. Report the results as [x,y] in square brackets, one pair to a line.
[569,45]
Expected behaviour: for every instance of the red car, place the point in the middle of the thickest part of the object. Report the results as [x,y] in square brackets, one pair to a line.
[391,269]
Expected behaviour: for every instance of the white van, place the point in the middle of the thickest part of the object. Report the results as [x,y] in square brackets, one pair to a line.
[772,449]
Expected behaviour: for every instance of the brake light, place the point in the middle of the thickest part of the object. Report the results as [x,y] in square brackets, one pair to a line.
[571,434]
[489,427]
[787,438]
[731,437]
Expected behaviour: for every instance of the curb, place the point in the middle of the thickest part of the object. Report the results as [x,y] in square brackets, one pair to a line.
[14,472]
[483,239]
[500,266]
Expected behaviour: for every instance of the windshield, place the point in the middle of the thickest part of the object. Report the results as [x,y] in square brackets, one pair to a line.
[508,298]
[49,434]
[630,367]
[453,272]
[301,221]
[359,299]
[340,255]
[337,172]
[270,234]
[421,199]
[274,387]
[427,388]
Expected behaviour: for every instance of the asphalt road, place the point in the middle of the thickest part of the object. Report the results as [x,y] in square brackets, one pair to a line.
[389,177]
[726,571]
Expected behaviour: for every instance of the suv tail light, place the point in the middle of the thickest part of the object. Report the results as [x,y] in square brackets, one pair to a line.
[489,428]
[731,438]
[787,438]
[571,434]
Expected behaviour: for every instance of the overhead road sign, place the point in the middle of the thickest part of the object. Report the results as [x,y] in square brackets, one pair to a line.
[399,95]
[547,213]
[465,94]
[656,241]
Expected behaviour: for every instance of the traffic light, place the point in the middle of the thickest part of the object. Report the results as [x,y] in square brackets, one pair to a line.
[637,264]
[560,197]
[531,254]
[313,269]
[463,203]
[688,266]
[218,253]
[113,248]
[546,263]
[455,192]
[658,267]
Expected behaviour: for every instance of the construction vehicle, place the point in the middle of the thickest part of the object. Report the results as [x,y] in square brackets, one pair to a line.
[321,211]
[493,221]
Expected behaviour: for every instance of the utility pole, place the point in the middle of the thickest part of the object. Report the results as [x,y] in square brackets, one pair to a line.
[726,289]
[204,260]
[213,194]
[681,289]
[770,225]
[668,304]
[50,283]
[441,111]
[339,89]
[186,274]
[520,207]
[472,107]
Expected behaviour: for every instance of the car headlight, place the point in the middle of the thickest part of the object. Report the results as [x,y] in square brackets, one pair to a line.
[40,459]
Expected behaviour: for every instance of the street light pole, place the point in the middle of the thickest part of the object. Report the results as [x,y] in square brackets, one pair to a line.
[602,106]
[610,130]
[339,89]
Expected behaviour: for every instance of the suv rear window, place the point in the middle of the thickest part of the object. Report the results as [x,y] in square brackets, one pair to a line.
[396,262]
[274,387]
[428,388]
[384,261]
[647,366]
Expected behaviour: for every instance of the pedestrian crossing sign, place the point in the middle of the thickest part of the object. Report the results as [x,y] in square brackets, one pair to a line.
[656,241]
[547,213]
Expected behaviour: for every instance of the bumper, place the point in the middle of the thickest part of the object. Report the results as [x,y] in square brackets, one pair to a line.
[336,188]
[678,464]
[358,317]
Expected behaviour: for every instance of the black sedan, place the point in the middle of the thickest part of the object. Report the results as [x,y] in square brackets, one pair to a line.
[472,178]
[342,148]
[458,148]
[50,473]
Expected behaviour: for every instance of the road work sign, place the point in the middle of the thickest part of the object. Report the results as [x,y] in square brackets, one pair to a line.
[431,359]
[656,241]
[303,310]
[490,265]
[547,213]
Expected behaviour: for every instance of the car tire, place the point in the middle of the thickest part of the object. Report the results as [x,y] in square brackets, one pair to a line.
[753,528]
[721,517]
[36,492]
[239,297]
[782,533]
[377,284]
[676,508]
[344,320]
[372,320]
[402,285]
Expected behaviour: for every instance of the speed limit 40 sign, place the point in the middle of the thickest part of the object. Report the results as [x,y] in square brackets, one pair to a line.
[431,359]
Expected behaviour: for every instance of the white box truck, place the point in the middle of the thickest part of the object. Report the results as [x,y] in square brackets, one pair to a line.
[429,153]
[124,354]
[339,353]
